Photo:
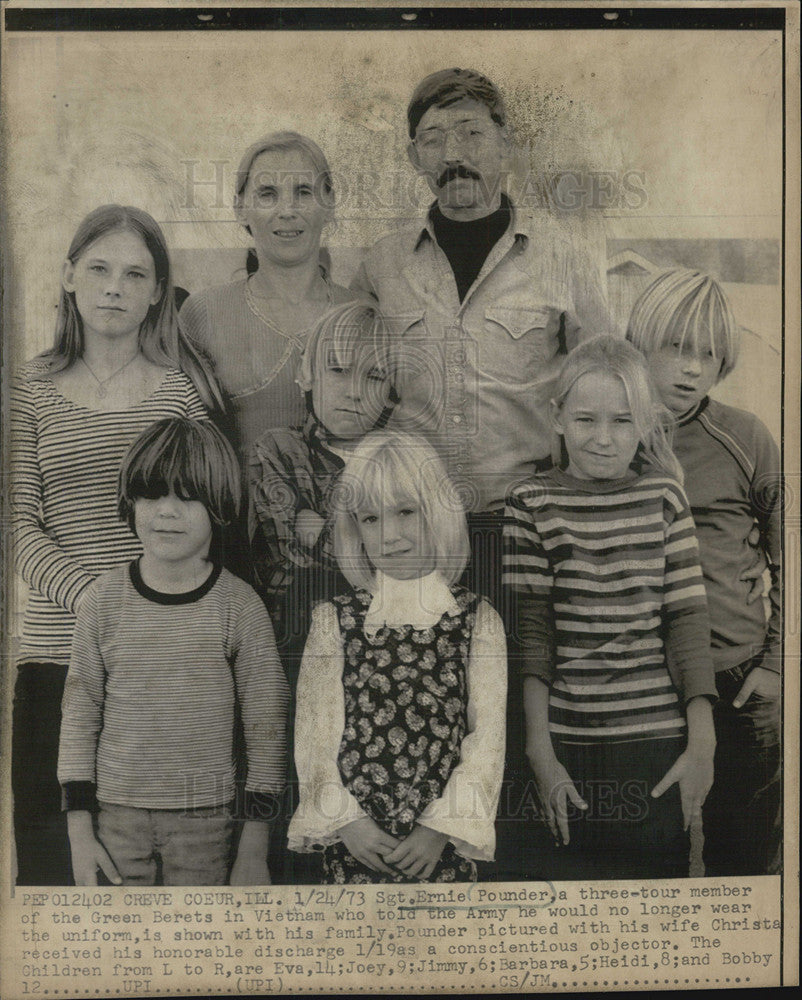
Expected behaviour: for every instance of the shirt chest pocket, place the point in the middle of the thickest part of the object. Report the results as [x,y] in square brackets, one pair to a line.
[406,325]
[515,344]
[420,356]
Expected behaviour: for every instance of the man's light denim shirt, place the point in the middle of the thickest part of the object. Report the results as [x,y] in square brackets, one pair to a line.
[476,377]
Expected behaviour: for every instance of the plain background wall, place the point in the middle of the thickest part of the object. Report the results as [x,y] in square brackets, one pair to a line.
[160,120]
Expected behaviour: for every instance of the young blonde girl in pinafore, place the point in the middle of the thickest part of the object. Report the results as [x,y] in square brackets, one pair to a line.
[399,738]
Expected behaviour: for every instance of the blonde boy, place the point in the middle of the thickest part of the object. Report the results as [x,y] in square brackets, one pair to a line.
[345,375]
[684,325]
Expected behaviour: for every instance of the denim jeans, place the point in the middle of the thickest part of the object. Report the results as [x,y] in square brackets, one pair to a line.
[742,817]
[190,846]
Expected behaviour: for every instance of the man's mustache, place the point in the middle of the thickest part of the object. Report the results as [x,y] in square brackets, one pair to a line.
[452,173]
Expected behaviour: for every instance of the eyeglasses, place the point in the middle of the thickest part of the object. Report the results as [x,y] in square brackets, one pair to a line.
[470,135]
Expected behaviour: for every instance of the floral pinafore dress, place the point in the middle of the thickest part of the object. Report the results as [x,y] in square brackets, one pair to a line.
[406,696]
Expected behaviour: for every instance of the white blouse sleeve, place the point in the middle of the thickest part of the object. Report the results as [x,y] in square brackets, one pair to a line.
[466,811]
[325,804]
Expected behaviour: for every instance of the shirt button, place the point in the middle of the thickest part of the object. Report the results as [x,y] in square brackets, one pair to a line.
[457,418]
[460,468]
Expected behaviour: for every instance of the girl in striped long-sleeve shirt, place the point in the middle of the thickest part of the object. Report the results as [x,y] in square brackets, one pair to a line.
[602,558]
[118,363]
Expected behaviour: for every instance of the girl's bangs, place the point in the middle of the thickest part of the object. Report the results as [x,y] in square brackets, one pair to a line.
[351,335]
[362,341]
[385,480]
[387,489]
[339,346]
[333,341]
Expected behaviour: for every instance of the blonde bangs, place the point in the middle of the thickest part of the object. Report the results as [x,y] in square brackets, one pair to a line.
[386,478]
[346,335]
[686,307]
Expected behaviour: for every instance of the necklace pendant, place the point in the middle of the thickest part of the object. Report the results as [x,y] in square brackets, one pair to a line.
[100,390]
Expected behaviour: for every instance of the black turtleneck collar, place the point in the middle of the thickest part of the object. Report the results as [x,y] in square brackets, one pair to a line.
[467,244]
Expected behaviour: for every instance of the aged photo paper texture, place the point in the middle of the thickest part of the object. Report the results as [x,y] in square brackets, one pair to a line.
[660,137]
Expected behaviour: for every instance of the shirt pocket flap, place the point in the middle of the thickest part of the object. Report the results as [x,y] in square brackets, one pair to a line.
[407,322]
[518,322]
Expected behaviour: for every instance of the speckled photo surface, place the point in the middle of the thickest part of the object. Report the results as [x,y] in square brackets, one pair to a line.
[642,138]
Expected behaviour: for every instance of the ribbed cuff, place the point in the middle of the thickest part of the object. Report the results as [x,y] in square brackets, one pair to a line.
[79,796]
[74,589]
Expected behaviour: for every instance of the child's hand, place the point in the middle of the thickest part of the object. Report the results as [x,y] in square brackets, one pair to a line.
[368,843]
[418,853]
[693,771]
[755,572]
[88,854]
[765,683]
[555,787]
[308,526]
[250,870]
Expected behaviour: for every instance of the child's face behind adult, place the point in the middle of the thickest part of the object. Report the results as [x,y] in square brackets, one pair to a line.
[397,540]
[173,530]
[349,395]
[683,374]
[285,207]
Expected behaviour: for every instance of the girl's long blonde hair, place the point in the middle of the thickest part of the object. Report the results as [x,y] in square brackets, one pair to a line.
[653,421]
[387,467]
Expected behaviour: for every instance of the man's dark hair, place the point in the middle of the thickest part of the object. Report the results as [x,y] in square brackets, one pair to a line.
[447,86]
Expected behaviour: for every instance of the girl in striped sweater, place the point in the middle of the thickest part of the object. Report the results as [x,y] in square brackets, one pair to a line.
[118,363]
[602,559]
